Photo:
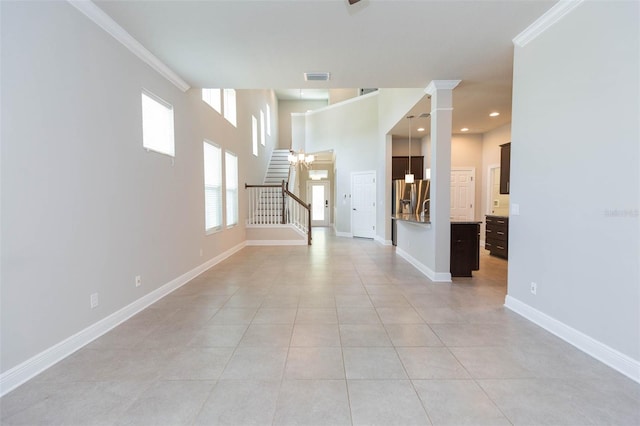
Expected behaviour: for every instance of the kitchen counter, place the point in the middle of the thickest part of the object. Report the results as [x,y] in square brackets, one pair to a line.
[412,218]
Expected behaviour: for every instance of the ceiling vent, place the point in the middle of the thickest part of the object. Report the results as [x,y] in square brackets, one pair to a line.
[317,76]
[365,91]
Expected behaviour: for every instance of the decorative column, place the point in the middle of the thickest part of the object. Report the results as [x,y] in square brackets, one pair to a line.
[441,92]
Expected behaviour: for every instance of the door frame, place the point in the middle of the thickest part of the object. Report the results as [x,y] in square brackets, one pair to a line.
[327,194]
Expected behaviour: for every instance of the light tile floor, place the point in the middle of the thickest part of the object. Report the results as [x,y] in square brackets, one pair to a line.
[342,332]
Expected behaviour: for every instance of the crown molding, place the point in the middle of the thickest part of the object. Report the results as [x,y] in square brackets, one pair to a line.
[104,21]
[550,17]
[441,85]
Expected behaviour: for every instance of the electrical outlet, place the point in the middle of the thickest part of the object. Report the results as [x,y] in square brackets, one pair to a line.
[534,288]
[94,300]
[138,281]
[200,252]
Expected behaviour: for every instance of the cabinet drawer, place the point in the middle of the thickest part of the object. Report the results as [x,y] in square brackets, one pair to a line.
[499,250]
[497,232]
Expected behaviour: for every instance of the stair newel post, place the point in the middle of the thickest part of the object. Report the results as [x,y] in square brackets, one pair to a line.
[284,188]
[309,225]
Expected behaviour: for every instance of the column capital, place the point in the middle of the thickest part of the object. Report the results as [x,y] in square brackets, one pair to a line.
[441,85]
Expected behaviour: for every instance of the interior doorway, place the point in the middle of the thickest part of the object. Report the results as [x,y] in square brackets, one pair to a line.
[318,194]
[363,204]
[463,193]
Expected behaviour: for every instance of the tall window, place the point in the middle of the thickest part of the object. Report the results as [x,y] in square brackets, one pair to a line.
[213,97]
[212,187]
[254,134]
[157,125]
[268,120]
[230,106]
[263,130]
[231,179]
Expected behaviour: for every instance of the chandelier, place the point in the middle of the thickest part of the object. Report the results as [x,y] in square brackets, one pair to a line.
[300,158]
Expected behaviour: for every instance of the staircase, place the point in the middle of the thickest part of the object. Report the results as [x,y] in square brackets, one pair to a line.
[269,205]
[278,167]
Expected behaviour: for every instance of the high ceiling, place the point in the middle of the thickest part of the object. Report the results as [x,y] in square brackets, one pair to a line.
[269,44]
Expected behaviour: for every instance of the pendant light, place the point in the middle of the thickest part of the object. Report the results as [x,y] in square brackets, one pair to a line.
[408,178]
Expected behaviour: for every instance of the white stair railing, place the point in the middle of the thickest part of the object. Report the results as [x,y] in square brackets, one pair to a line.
[274,204]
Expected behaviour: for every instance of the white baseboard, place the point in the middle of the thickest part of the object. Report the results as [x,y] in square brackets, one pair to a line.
[382,241]
[344,234]
[30,368]
[276,242]
[609,356]
[439,277]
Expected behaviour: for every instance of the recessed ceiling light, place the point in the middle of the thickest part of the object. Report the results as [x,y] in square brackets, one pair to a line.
[494,114]
[421,129]
[464,129]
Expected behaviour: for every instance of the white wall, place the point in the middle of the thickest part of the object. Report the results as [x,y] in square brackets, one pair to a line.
[350,129]
[286,108]
[575,175]
[491,142]
[84,207]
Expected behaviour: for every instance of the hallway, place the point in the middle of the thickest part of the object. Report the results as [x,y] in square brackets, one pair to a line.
[341,332]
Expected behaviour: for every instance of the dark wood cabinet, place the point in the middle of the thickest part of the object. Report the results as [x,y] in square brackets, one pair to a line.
[465,249]
[496,237]
[400,165]
[505,167]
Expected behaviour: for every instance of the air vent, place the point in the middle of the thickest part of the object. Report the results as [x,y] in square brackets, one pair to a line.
[317,76]
[365,91]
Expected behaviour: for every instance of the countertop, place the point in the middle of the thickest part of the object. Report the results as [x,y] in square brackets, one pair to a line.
[416,218]
[413,218]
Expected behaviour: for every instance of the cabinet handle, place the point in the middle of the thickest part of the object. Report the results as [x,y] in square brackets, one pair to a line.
[500,233]
[501,221]
[501,248]
[489,230]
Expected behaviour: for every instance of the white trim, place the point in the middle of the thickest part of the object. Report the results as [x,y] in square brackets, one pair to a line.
[550,17]
[25,371]
[104,21]
[436,277]
[441,85]
[609,356]
[344,234]
[382,241]
[337,104]
[276,242]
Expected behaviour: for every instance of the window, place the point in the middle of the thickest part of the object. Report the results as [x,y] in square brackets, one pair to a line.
[263,136]
[254,134]
[212,187]
[231,179]
[213,97]
[268,120]
[230,106]
[157,125]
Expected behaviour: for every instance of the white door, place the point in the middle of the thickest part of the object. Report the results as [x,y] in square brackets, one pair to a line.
[318,196]
[463,194]
[363,204]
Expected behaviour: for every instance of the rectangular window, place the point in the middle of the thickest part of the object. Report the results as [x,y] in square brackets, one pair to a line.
[268,120]
[230,106]
[212,187]
[254,134]
[213,97]
[231,179]
[157,125]
[263,131]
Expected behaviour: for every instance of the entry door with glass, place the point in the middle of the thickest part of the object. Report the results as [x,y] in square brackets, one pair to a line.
[318,195]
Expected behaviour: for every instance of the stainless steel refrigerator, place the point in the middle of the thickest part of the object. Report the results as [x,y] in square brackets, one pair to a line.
[410,197]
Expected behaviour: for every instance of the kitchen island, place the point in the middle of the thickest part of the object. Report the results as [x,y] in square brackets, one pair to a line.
[464,244]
